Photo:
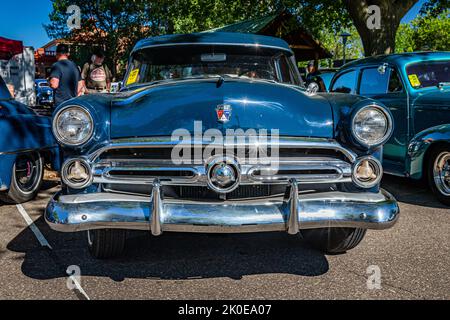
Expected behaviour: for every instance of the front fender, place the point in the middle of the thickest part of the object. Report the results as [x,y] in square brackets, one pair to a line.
[419,146]
[6,165]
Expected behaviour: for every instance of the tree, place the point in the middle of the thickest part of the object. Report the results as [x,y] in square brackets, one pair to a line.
[118,24]
[426,32]
[404,41]
[114,25]
[332,41]
[381,40]
[434,8]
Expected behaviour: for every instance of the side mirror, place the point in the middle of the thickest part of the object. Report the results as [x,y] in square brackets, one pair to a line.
[382,69]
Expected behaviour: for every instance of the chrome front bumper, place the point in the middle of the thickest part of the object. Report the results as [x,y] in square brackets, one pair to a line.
[76,213]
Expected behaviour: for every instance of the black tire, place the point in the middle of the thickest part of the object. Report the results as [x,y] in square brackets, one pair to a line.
[26,179]
[107,244]
[334,240]
[438,184]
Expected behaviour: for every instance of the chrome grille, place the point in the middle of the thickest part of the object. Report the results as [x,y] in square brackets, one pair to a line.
[137,163]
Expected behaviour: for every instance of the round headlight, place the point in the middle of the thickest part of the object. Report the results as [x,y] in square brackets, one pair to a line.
[73,126]
[372,126]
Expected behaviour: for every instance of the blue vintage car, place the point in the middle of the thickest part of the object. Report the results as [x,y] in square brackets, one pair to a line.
[416,89]
[26,145]
[215,133]
[44,94]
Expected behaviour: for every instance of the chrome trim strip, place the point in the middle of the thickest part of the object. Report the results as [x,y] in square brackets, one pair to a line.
[248,177]
[27,150]
[342,169]
[318,210]
[166,142]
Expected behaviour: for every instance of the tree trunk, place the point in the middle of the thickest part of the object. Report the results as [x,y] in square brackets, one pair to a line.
[378,40]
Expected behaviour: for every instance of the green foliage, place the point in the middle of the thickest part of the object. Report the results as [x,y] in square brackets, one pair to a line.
[188,16]
[434,8]
[404,40]
[332,41]
[116,25]
[425,33]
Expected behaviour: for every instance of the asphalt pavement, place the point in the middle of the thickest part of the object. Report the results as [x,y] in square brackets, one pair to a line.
[413,259]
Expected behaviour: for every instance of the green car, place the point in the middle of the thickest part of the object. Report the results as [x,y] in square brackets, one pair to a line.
[416,89]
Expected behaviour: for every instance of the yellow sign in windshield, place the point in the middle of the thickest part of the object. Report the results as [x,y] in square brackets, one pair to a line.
[133,77]
[414,79]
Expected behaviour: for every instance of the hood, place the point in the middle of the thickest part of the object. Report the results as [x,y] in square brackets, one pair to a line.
[433,97]
[161,109]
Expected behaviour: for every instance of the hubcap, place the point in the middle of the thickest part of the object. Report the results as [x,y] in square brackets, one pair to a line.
[442,173]
[27,173]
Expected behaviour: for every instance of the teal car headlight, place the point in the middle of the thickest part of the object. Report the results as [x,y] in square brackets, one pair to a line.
[372,126]
[73,126]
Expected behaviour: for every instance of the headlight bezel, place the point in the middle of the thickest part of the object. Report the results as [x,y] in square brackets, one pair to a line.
[64,141]
[77,185]
[379,171]
[389,126]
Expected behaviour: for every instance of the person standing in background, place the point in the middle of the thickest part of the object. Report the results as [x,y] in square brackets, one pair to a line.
[96,75]
[314,76]
[65,78]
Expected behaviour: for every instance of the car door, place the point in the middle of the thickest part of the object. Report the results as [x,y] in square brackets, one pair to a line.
[430,105]
[383,83]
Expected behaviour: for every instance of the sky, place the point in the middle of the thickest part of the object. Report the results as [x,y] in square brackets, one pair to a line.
[23,20]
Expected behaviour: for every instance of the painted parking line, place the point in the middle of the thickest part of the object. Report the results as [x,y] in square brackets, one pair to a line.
[33,227]
[44,243]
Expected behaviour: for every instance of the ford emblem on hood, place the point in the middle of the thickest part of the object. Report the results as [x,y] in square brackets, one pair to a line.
[224,113]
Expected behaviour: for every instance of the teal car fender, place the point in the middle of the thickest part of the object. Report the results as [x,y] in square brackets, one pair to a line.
[422,144]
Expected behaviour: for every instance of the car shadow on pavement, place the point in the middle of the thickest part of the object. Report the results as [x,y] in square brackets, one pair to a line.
[172,256]
[411,192]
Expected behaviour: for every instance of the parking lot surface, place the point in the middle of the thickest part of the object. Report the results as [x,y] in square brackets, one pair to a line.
[413,257]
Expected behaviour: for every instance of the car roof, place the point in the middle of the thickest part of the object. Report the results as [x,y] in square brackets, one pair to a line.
[214,38]
[399,58]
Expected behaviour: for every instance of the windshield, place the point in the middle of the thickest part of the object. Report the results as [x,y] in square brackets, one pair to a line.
[429,74]
[201,61]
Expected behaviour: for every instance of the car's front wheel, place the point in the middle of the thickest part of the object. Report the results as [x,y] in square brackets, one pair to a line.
[439,173]
[334,240]
[106,244]
[26,179]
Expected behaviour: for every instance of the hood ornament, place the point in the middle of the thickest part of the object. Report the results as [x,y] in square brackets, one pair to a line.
[224,113]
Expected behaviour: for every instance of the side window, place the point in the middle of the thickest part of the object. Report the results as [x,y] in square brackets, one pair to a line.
[345,83]
[373,82]
[285,71]
[395,83]
[294,73]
